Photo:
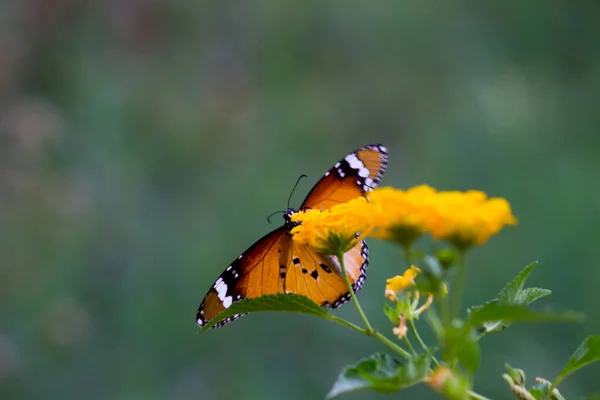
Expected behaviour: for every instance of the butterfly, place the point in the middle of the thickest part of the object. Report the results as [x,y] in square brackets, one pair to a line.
[275,264]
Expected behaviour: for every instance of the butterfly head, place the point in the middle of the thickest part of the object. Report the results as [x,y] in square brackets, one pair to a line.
[287,216]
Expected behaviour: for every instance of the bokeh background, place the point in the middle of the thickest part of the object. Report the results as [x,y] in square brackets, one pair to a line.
[143,143]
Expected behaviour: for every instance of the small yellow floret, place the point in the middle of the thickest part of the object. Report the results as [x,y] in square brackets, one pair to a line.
[399,283]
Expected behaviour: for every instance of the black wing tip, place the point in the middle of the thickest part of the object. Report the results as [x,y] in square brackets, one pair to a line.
[382,151]
[201,321]
[380,148]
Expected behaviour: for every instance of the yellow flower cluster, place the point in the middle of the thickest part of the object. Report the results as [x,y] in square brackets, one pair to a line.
[334,230]
[461,218]
[469,218]
[401,216]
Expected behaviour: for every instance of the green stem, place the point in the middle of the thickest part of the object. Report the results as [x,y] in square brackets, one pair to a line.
[368,327]
[413,329]
[391,345]
[477,396]
[374,334]
[410,346]
[347,324]
[458,285]
[443,302]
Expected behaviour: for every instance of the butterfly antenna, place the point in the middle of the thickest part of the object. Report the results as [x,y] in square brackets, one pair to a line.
[294,188]
[276,212]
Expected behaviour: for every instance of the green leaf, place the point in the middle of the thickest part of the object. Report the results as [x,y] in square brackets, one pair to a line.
[391,313]
[446,257]
[381,373]
[543,390]
[456,387]
[488,326]
[273,302]
[516,374]
[460,342]
[514,295]
[529,295]
[513,313]
[431,279]
[538,391]
[587,352]
[509,293]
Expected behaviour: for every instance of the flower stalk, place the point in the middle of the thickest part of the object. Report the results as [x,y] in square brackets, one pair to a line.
[340,257]
[458,284]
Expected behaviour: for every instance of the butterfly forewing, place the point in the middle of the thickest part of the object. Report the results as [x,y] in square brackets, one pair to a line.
[243,278]
[275,264]
[353,176]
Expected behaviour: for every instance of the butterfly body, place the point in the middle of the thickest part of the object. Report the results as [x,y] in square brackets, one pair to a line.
[275,264]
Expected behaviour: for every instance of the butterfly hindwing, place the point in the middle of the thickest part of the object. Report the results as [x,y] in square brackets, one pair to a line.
[319,277]
[353,176]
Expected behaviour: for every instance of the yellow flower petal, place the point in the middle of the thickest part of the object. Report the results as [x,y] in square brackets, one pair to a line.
[399,283]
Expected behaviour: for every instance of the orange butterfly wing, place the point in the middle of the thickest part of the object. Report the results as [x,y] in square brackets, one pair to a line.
[319,277]
[353,176]
[252,274]
[275,264]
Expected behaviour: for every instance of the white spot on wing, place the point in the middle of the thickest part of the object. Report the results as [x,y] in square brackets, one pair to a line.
[221,289]
[354,162]
[227,301]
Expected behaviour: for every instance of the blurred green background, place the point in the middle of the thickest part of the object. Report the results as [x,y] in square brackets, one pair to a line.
[143,143]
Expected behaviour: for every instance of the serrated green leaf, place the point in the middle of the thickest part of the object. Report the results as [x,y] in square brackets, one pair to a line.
[529,295]
[508,294]
[488,326]
[513,294]
[511,313]
[587,352]
[492,327]
[273,302]
[381,373]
